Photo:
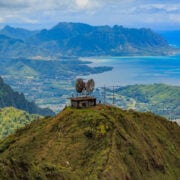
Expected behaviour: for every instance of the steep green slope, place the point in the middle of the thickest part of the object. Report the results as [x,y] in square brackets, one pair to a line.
[8,97]
[20,69]
[12,119]
[10,46]
[97,143]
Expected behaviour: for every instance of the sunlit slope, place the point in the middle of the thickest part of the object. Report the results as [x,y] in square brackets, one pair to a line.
[12,119]
[161,99]
[97,143]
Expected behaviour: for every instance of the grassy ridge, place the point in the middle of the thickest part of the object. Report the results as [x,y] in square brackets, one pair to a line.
[98,143]
[11,119]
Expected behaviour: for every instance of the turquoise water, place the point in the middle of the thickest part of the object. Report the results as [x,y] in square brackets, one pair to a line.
[137,70]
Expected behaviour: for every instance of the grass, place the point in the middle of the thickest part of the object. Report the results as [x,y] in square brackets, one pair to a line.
[12,119]
[103,142]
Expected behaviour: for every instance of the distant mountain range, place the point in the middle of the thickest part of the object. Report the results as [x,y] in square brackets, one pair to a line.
[17,33]
[77,39]
[8,98]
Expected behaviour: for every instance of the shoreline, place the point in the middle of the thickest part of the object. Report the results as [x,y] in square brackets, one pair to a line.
[130,70]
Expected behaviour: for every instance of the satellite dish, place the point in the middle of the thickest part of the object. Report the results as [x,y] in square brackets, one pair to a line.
[90,86]
[80,85]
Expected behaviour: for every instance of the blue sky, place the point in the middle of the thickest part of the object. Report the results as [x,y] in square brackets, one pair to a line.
[36,14]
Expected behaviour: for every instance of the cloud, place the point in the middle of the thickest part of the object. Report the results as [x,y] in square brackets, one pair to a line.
[157,8]
[86,4]
[175,18]
[1,20]
[48,4]
[126,12]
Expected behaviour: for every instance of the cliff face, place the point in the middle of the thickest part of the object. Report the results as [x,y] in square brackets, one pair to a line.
[97,143]
[9,98]
[77,39]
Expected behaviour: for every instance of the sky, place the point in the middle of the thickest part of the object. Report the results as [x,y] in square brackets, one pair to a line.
[38,14]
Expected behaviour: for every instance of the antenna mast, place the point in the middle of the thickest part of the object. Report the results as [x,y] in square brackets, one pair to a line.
[113,96]
[104,94]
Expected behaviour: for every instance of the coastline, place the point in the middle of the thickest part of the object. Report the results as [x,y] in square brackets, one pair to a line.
[136,69]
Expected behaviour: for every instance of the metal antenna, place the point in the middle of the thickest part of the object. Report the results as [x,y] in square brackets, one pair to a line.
[113,96]
[104,94]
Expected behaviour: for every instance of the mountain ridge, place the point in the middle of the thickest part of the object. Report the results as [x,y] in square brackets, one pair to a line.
[17,33]
[103,142]
[78,39]
[8,97]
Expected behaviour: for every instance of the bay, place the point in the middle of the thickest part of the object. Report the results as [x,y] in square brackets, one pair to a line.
[131,70]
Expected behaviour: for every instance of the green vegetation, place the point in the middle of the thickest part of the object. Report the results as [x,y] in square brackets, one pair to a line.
[12,119]
[8,97]
[48,82]
[61,68]
[103,142]
[51,88]
[158,98]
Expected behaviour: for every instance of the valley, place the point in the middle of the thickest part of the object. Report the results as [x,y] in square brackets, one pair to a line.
[44,65]
[160,99]
[48,83]
[89,89]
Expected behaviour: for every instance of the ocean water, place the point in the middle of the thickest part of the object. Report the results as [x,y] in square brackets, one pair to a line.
[136,70]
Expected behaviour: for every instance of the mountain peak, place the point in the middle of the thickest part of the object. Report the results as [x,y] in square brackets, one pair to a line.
[93,143]
[79,39]
[71,26]
[17,33]
[7,27]
[10,28]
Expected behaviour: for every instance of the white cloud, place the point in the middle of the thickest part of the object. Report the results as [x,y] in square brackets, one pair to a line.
[175,18]
[154,8]
[82,3]
[125,12]
[1,20]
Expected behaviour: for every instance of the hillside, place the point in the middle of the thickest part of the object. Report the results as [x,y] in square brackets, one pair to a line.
[17,33]
[78,39]
[160,99]
[48,82]
[12,119]
[97,143]
[8,97]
